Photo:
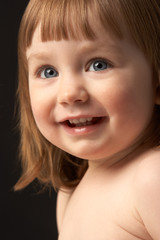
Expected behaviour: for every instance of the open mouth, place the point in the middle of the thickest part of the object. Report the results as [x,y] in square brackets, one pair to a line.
[81,122]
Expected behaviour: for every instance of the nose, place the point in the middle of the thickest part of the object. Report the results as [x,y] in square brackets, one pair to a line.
[71,92]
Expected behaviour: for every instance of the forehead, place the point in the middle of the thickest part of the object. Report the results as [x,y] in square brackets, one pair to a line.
[102,38]
[91,30]
[77,19]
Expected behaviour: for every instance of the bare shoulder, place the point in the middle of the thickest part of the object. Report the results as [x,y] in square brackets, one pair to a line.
[62,202]
[148,171]
[147,185]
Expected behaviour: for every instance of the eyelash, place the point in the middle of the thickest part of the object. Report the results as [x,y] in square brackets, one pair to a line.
[106,61]
[39,71]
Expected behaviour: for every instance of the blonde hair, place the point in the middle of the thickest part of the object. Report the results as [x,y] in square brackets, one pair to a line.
[65,19]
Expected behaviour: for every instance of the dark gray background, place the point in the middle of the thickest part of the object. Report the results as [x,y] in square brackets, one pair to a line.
[24,215]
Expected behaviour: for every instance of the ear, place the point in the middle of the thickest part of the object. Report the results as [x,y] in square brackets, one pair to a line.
[157,100]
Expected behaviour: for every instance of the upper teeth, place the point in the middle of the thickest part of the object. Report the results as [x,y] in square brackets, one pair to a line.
[80,120]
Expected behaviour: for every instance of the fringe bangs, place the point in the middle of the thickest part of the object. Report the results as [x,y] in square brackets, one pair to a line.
[69,19]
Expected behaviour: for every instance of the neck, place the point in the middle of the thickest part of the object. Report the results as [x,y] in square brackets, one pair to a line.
[117,159]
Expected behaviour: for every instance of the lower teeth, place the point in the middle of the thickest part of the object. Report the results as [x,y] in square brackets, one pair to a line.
[83,124]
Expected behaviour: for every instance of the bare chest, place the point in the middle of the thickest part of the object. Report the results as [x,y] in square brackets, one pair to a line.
[102,212]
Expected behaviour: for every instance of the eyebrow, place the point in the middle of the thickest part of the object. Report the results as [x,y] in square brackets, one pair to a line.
[38,55]
[111,47]
[84,49]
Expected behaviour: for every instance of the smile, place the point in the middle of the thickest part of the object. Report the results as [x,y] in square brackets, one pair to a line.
[83,125]
[80,122]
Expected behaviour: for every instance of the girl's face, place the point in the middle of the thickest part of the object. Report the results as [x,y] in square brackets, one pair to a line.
[91,98]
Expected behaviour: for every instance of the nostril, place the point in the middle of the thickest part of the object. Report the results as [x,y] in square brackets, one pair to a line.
[70,96]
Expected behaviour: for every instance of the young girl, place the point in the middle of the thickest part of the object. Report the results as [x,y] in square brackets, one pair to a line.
[89,114]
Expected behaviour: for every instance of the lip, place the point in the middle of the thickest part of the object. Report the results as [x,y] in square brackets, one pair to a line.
[83,130]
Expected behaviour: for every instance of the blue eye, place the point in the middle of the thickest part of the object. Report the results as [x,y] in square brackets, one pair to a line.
[98,65]
[48,72]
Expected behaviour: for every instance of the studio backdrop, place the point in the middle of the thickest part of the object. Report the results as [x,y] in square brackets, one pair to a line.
[29,214]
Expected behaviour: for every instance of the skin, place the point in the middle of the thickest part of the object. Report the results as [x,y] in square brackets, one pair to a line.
[112,200]
[120,203]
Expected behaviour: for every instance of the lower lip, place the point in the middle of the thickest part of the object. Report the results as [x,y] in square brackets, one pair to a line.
[83,130]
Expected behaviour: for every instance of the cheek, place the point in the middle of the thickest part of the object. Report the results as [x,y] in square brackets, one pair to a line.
[119,100]
[129,104]
[40,104]
[38,114]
